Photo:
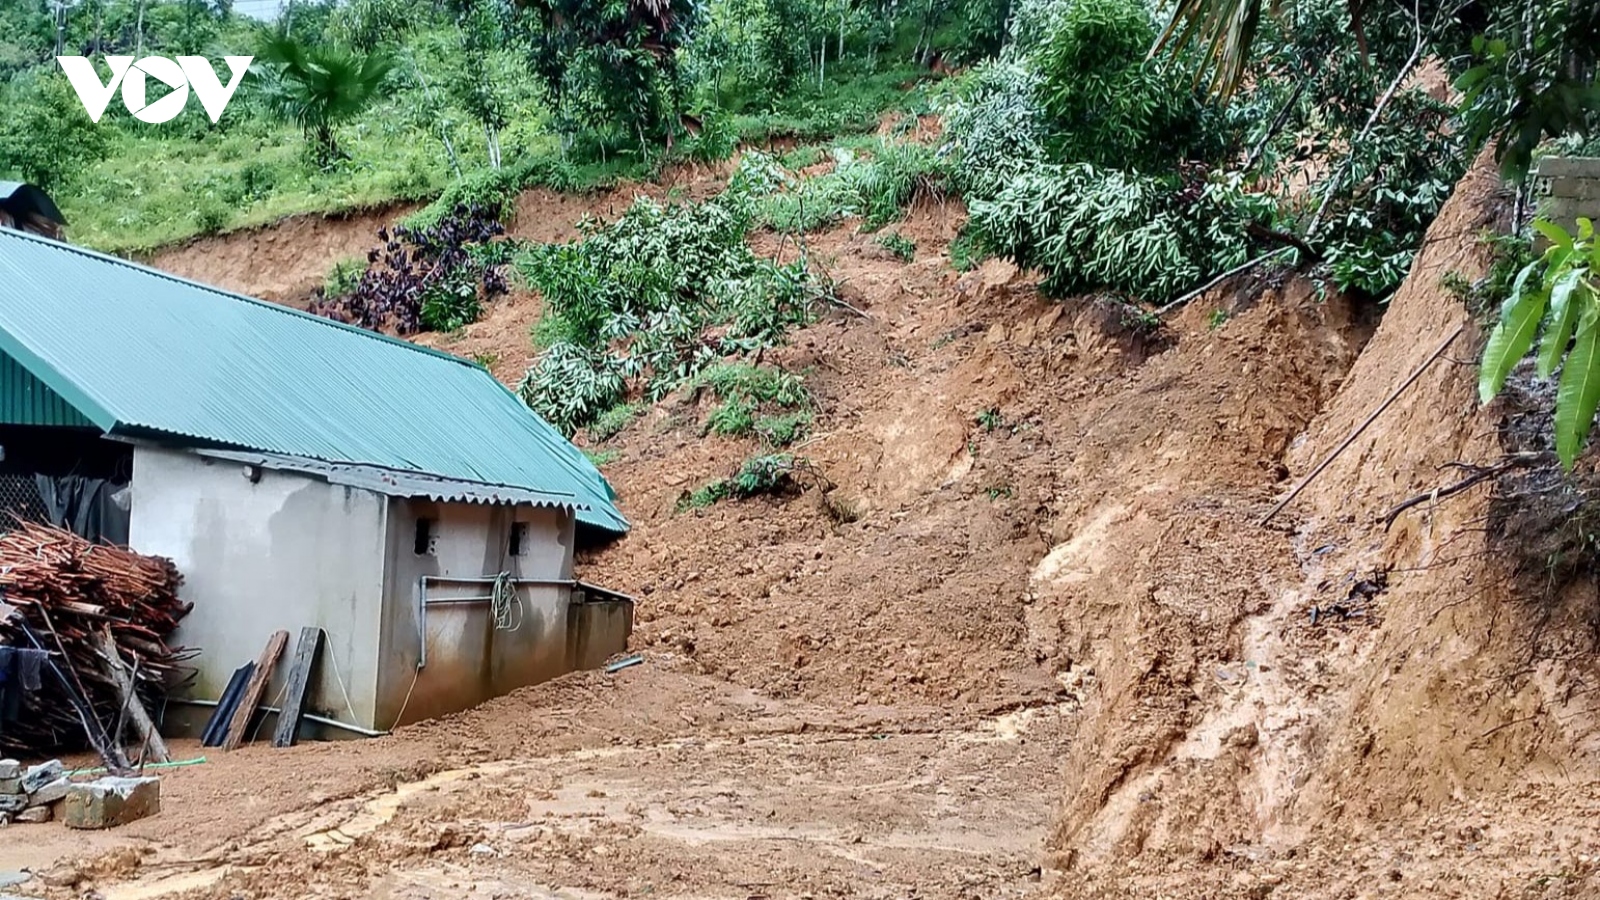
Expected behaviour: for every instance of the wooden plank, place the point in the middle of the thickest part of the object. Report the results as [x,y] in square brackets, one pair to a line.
[294,704]
[253,691]
[111,663]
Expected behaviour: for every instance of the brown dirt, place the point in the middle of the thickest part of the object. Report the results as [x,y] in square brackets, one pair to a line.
[284,262]
[1058,657]
[287,261]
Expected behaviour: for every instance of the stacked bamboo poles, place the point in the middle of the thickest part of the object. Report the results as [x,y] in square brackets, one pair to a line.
[66,593]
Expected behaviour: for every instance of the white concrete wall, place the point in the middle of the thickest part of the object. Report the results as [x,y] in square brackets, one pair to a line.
[468,660]
[283,552]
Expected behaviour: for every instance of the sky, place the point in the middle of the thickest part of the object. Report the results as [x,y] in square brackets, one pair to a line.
[260,9]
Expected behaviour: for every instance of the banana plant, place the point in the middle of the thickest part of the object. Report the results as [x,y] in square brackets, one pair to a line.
[1559,293]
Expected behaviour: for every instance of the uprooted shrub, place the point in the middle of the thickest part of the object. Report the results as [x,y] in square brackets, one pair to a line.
[425,278]
[770,403]
[875,188]
[774,474]
[1090,229]
[645,303]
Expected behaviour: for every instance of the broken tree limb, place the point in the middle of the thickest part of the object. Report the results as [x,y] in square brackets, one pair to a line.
[1479,474]
[1236,270]
[253,691]
[1345,444]
[1372,121]
[112,665]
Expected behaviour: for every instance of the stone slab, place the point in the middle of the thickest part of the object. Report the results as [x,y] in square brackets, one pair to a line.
[50,793]
[34,815]
[110,802]
[1566,208]
[10,785]
[1575,189]
[38,776]
[13,803]
[10,768]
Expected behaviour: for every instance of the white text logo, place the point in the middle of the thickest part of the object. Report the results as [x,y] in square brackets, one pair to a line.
[188,72]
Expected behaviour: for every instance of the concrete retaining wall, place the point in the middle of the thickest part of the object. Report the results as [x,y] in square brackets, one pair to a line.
[1569,187]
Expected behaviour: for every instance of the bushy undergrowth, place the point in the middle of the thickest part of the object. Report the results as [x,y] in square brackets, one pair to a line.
[423,278]
[653,299]
[1076,154]
[769,473]
[875,186]
[1091,229]
[610,423]
[767,402]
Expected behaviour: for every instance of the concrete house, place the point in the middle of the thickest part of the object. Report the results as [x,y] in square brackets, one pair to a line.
[301,472]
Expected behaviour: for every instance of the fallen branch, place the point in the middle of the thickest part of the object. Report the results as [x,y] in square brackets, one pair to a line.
[1236,270]
[1363,426]
[111,662]
[1479,475]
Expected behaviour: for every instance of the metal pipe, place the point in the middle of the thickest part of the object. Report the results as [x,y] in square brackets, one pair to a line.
[320,720]
[423,601]
[451,579]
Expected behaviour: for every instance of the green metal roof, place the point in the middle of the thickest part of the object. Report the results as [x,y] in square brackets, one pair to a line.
[25,400]
[140,353]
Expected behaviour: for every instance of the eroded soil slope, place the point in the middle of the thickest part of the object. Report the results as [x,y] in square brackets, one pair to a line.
[1048,649]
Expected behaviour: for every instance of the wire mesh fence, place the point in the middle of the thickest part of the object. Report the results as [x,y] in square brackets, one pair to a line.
[20,499]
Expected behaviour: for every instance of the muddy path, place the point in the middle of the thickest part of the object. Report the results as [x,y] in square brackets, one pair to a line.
[610,792]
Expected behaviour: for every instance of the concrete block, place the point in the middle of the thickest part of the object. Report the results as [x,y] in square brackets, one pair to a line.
[110,802]
[34,815]
[1568,167]
[1566,210]
[10,785]
[50,793]
[38,776]
[10,768]
[1575,189]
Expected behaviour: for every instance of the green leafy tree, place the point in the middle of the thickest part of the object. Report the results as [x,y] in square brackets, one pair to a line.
[1534,78]
[1559,293]
[26,37]
[472,83]
[1534,72]
[1109,105]
[369,25]
[321,86]
[613,63]
[45,136]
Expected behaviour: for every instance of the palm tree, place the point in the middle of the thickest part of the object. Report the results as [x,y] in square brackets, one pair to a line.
[1227,29]
[319,86]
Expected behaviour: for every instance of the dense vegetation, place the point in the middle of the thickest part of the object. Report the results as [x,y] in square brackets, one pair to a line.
[1324,134]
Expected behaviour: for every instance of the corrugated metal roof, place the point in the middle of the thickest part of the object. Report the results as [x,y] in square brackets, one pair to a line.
[25,400]
[395,483]
[145,354]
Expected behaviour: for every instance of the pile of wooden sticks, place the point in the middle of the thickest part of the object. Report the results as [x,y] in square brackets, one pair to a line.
[104,614]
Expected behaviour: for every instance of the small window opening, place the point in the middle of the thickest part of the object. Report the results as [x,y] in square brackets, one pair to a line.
[519,534]
[422,544]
